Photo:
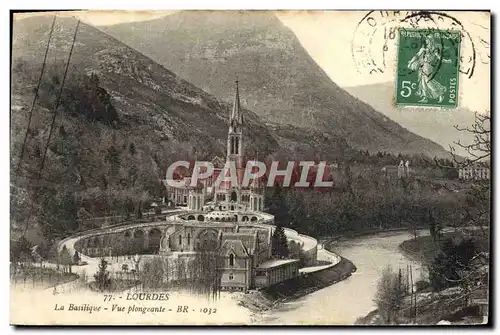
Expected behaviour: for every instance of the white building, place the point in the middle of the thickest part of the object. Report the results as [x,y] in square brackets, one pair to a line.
[474,172]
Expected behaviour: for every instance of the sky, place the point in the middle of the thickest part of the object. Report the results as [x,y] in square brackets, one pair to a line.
[331,36]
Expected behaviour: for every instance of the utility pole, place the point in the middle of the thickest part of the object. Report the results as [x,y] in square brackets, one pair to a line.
[414,295]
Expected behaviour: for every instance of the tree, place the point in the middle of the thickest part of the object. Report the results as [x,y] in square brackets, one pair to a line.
[480,148]
[157,210]
[452,264]
[477,213]
[277,206]
[283,242]
[181,270]
[132,149]
[205,276]
[83,278]
[66,259]
[76,258]
[137,260]
[476,217]
[20,250]
[152,273]
[93,80]
[279,243]
[58,214]
[139,211]
[391,290]
[101,277]
[83,96]
[296,252]
[113,158]
[434,228]
[414,231]
[84,218]
[43,250]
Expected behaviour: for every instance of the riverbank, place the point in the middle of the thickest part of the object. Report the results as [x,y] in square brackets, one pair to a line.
[444,307]
[274,296]
[373,231]
[423,248]
[449,306]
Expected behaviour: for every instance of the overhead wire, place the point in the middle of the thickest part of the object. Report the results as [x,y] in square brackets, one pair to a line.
[35,98]
[54,116]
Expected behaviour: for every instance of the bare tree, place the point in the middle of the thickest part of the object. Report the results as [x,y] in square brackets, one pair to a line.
[152,274]
[66,259]
[391,291]
[206,275]
[181,270]
[137,260]
[102,276]
[83,278]
[477,214]
[475,219]
[480,148]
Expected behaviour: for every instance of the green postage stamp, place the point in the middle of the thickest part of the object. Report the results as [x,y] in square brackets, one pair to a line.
[428,64]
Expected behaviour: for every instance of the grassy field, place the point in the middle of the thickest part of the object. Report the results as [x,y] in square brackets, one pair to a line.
[41,278]
[117,285]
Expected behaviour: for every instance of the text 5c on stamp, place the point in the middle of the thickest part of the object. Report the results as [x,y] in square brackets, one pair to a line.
[428,67]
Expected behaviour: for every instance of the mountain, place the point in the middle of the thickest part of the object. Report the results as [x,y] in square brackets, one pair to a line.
[121,121]
[282,83]
[147,96]
[435,124]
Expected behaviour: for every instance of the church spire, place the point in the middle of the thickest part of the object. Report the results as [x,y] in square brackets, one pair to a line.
[235,133]
[236,117]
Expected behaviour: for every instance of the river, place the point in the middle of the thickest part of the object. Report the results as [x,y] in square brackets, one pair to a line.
[341,303]
[346,301]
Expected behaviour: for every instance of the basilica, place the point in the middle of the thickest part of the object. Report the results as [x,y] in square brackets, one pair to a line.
[229,219]
[207,195]
[222,218]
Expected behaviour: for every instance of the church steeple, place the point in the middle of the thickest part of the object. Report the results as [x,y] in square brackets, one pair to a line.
[236,117]
[235,134]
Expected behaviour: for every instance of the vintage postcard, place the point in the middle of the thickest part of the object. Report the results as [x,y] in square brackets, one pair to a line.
[250,168]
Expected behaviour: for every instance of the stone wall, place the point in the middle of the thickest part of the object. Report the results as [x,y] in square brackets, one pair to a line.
[309,244]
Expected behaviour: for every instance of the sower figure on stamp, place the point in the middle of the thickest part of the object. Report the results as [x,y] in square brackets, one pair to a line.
[424,62]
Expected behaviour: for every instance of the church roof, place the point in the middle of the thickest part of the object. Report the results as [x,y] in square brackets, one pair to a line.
[263,234]
[236,247]
[218,162]
[248,240]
